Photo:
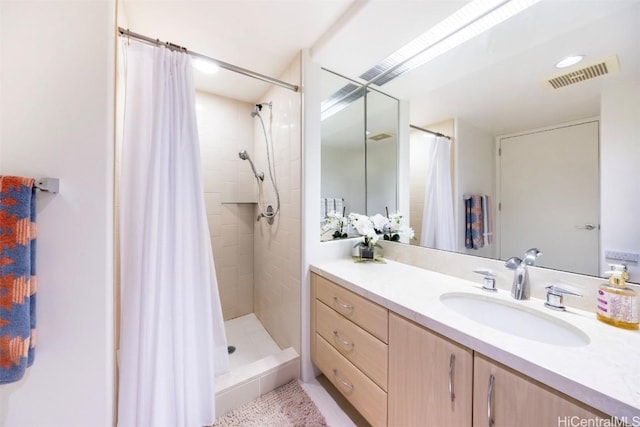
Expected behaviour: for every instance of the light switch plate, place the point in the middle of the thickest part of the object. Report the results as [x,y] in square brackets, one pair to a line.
[622,256]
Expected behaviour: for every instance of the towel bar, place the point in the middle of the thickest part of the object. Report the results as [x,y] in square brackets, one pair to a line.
[52,185]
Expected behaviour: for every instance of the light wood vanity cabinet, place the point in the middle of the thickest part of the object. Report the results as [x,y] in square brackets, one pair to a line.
[510,399]
[349,346]
[398,373]
[430,377]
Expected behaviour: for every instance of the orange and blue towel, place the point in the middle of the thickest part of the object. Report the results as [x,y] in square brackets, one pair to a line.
[474,222]
[478,221]
[17,276]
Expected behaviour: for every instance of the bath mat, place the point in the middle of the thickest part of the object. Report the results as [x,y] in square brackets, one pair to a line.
[286,406]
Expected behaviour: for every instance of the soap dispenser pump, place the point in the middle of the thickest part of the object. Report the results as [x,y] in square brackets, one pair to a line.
[618,304]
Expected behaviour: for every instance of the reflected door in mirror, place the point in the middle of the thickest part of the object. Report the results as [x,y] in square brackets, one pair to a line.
[552,202]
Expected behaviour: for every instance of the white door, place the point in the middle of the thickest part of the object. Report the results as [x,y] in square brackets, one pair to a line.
[549,195]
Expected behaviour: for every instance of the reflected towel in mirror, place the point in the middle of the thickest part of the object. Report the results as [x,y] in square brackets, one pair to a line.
[475,221]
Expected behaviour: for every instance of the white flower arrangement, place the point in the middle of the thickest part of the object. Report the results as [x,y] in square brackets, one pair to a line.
[364,225]
[370,228]
[334,221]
[395,230]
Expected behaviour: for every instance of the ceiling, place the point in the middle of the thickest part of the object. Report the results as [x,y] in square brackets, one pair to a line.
[495,81]
[260,35]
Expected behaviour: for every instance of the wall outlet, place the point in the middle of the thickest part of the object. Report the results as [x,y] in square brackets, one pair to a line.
[622,256]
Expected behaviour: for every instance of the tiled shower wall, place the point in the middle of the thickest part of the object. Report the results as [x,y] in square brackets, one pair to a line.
[277,265]
[258,265]
[225,127]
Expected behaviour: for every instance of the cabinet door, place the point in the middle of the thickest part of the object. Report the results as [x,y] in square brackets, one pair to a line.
[429,378]
[511,399]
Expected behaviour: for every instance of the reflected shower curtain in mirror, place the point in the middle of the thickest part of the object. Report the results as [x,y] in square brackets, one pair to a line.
[438,230]
[172,341]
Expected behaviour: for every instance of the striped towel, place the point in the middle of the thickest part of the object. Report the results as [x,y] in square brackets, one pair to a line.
[474,222]
[17,277]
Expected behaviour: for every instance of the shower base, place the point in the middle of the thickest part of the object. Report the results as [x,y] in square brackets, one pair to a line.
[256,367]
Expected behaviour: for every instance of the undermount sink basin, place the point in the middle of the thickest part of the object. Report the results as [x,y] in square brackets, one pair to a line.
[515,320]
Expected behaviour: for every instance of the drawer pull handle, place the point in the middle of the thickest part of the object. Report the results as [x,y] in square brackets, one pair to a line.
[452,362]
[343,305]
[344,383]
[489,398]
[345,342]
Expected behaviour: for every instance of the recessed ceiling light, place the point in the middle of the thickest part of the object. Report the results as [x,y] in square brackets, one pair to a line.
[569,61]
[204,66]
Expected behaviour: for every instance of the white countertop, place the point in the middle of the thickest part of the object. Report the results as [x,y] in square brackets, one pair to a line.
[604,374]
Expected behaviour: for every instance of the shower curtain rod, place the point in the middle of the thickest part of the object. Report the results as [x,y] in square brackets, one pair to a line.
[130,34]
[430,131]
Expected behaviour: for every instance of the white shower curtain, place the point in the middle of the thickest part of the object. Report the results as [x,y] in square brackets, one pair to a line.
[172,341]
[438,230]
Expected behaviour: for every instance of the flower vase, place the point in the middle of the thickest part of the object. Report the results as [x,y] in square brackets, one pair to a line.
[367,253]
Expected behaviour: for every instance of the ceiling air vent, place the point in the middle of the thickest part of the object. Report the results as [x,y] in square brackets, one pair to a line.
[600,68]
[380,136]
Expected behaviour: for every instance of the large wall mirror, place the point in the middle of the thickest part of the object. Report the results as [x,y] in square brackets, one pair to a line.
[359,148]
[503,103]
[518,139]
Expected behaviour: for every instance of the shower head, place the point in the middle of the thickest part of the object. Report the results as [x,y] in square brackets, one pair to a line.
[258,108]
[245,156]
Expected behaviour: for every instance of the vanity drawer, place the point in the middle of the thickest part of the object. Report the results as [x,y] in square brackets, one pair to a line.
[368,315]
[361,348]
[369,399]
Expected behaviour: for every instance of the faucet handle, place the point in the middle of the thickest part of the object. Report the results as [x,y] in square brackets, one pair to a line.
[554,297]
[489,279]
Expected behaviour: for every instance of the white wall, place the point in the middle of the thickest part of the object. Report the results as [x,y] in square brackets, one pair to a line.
[310,215]
[56,119]
[382,176]
[474,166]
[417,179]
[404,152]
[619,172]
[343,176]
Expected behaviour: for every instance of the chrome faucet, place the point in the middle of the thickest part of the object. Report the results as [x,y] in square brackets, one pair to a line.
[489,279]
[554,297]
[520,287]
